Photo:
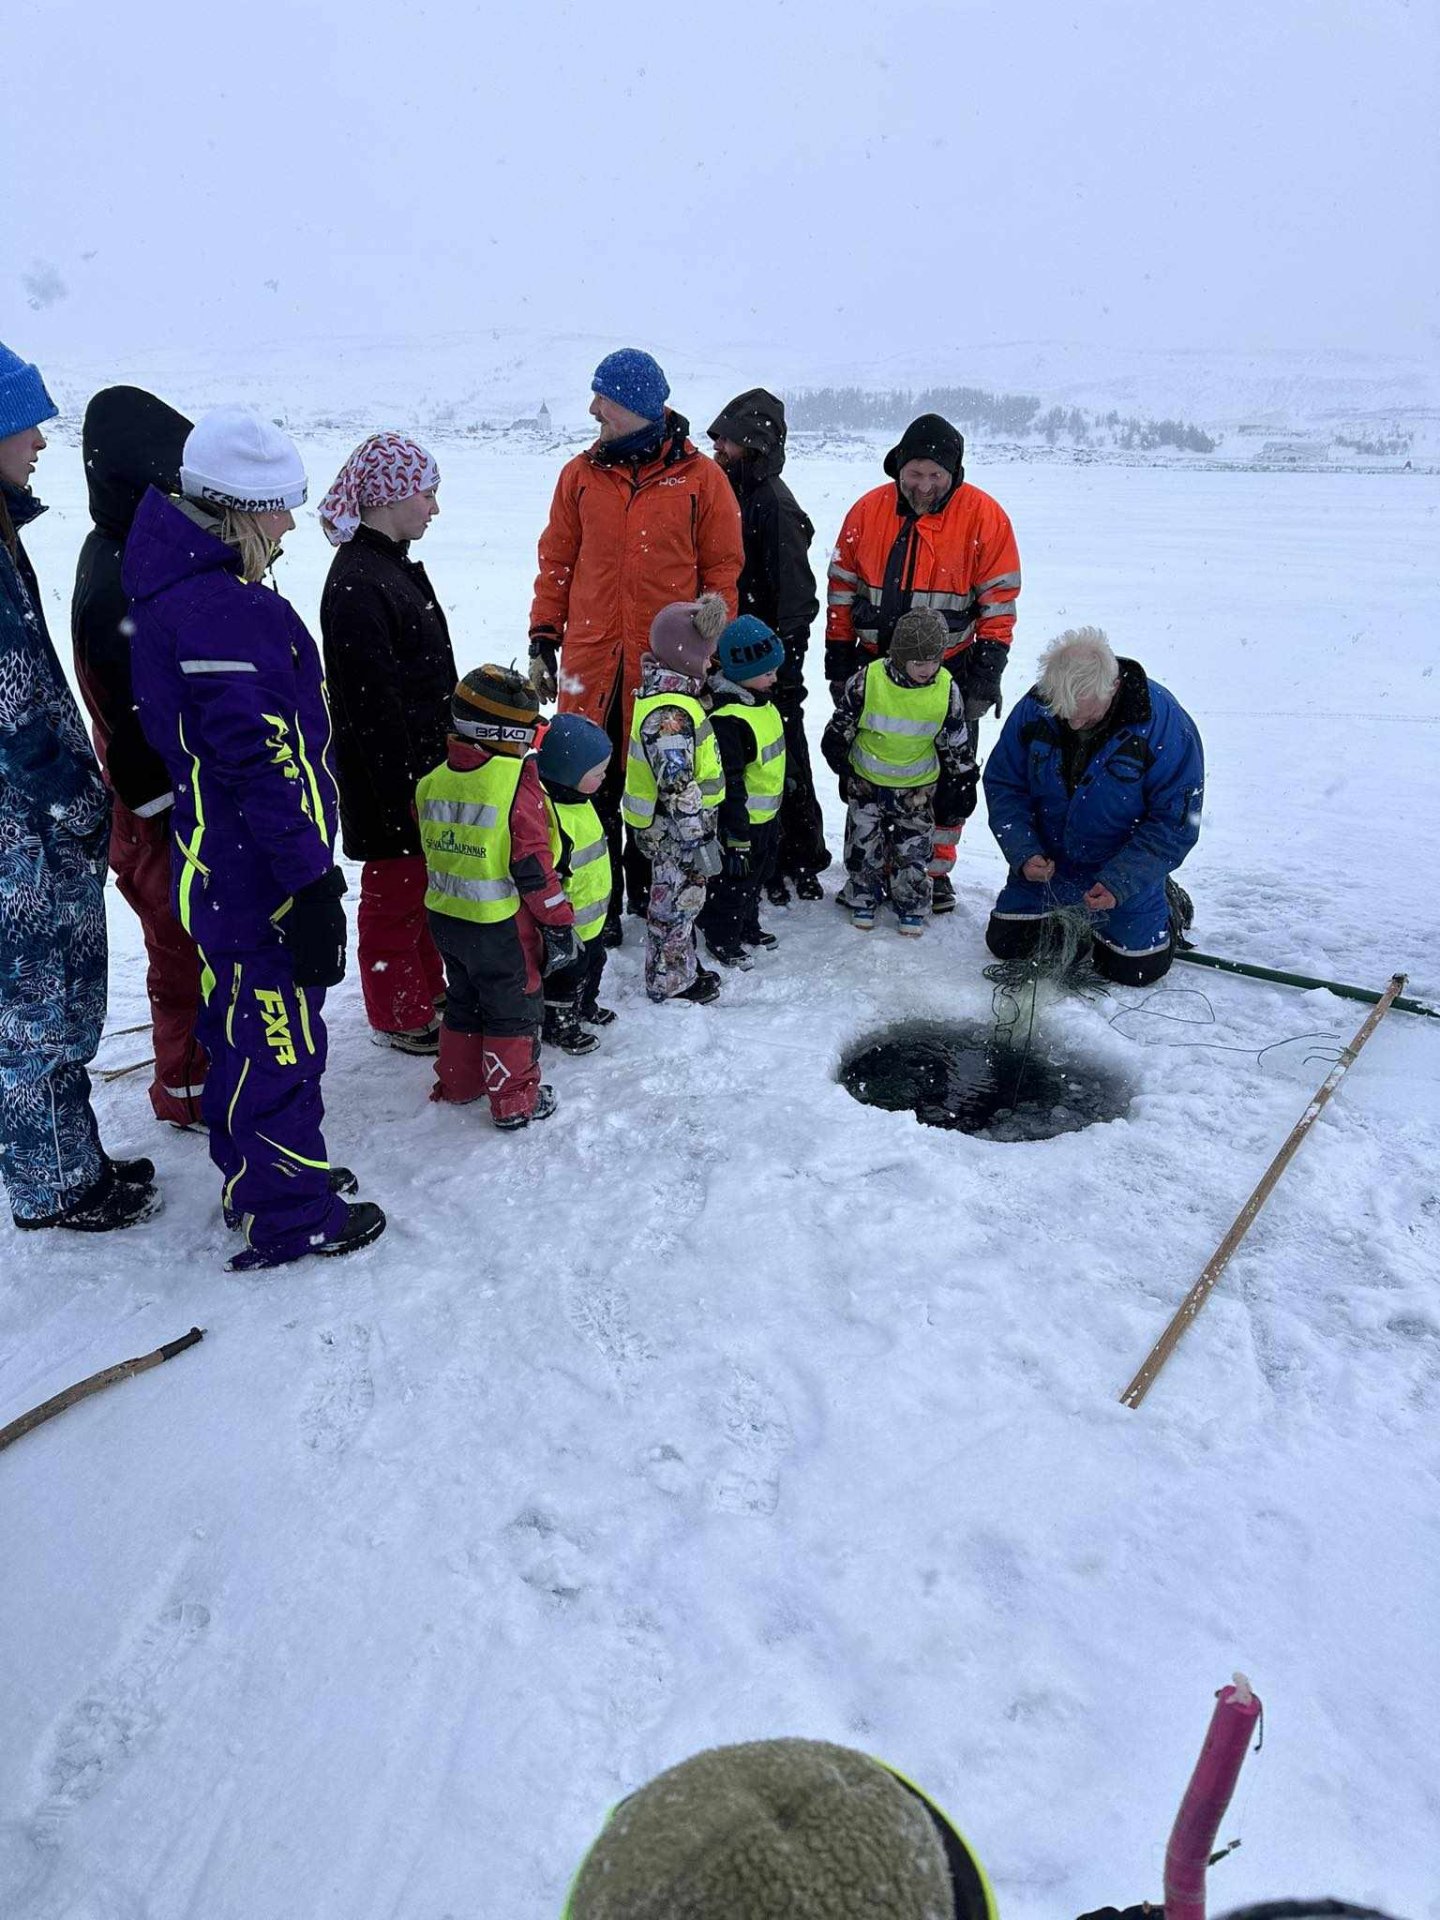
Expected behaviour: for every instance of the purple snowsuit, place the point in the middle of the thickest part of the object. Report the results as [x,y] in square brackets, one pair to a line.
[231,696]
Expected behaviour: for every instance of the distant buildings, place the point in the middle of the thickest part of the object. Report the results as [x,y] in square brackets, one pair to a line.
[537,422]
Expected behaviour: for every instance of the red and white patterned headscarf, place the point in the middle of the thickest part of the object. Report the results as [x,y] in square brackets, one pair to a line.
[383,469]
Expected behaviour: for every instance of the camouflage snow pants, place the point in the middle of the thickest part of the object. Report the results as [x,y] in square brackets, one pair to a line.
[677,893]
[888,835]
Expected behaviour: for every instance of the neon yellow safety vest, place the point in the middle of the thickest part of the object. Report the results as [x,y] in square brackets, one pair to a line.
[895,746]
[465,832]
[586,875]
[637,805]
[765,768]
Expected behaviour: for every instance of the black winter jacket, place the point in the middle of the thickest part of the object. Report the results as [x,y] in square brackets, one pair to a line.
[130,441]
[390,672]
[776,584]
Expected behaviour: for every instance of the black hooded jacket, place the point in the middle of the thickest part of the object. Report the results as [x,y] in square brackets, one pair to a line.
[390,672]
[777,584]
[130,441]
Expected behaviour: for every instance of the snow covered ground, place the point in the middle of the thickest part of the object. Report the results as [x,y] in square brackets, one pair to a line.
[722,1407]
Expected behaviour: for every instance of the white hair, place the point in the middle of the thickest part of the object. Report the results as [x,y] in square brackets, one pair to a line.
[1077,666]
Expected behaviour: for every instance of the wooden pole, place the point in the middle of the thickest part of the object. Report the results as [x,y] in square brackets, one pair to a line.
[1188,1309]
[122,1370]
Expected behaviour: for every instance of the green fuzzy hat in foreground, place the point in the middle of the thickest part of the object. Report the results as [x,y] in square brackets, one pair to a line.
[774,1830]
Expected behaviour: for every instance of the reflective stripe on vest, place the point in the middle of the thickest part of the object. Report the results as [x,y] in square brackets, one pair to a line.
[587,878]
[893,723]
[637,805]
[465,832]
[765,768]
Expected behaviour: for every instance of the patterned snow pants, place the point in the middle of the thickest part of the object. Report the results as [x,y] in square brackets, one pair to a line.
[53,959]
[677,894]
[889,834]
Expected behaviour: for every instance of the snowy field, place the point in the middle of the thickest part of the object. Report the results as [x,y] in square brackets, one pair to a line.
[722,1407]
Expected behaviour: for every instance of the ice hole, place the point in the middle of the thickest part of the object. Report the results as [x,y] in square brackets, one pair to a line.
[958,1074]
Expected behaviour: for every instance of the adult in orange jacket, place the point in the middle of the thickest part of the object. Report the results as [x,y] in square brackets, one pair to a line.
[639,521]
[928,540]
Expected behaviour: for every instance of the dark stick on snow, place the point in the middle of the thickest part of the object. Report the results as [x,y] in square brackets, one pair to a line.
[123,1370]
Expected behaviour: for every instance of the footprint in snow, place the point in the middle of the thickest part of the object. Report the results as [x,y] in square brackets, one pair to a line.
[105,1728]
[759,1437]
[342,1400]
[546,1557]
[600,1313]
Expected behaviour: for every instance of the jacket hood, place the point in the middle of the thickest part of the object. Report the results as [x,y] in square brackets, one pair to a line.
[170,542]
[22,504]
[756,421]
[656,677]
[723,691]
[130,441]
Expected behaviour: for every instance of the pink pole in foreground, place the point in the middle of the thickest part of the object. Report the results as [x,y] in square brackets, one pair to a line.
[1192,1838]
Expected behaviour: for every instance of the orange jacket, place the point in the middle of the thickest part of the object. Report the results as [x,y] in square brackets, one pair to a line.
[963,561]
[619,546]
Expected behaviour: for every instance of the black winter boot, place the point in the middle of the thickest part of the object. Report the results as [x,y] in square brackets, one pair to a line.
[104,1208]
[777,893]
[942,898]
[594,1015]
[808,887]
[704,988]
[562,1029]
[546,1101]
[135,1173]
[364,1224]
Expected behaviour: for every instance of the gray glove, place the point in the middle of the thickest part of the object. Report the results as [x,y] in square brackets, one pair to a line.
[977,708]
[708,858]
[544,670]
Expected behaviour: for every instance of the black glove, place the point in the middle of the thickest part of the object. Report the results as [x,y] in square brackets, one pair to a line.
[312,929]
[544,664]
[1146,1910]
[842,659]
[562,950]
[864,615]
[735,859]
[954,799]
[980,669]
[842,781]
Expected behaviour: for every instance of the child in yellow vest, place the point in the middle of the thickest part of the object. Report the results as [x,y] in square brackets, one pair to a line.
[899,742]
[673,787]
[751,735]
[497,912]
[571,758]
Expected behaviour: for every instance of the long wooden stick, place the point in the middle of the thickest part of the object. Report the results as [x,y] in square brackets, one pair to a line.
[1186,1312]
[122,1370]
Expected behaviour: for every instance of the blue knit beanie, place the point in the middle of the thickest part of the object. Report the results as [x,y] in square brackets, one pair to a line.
[748,648]
[633,379]
[23,399]
[573,746]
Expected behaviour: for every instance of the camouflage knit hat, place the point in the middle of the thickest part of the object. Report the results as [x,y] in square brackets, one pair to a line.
[776,1830]
[919,637]
[496,708]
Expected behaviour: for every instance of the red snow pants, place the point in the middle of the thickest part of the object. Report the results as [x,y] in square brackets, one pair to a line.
[494,1007]
[401,975]
[140,861]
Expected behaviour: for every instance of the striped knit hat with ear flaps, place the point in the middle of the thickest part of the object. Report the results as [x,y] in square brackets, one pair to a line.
[778,1830]
[496,708]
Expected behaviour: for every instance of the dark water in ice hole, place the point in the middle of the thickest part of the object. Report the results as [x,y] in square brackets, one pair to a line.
[955,1074]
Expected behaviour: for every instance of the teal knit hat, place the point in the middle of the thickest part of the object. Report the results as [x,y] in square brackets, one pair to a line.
[24,403]
[779,1830]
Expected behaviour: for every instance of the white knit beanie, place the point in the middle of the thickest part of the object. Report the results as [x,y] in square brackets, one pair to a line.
[234,457]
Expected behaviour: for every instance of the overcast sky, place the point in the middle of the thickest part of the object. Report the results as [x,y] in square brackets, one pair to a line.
[864,176]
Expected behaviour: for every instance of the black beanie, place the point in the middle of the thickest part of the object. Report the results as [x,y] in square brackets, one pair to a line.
[931,437]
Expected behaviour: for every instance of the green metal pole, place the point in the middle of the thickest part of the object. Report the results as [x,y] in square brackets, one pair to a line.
[1300,980]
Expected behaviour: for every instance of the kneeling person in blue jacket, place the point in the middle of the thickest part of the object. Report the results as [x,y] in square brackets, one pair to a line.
[1094,791]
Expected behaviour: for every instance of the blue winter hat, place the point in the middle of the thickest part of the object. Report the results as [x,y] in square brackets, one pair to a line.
[23,399]
[633,379]
[573,746]
[748,648]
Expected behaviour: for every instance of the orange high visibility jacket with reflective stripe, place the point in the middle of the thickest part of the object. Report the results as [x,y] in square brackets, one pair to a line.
[963,561]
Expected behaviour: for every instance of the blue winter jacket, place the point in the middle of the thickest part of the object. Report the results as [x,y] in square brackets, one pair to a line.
[1135,811]
[54,808]
[231,696]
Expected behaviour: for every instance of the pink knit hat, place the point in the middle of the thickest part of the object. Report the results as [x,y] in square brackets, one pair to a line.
[683,635]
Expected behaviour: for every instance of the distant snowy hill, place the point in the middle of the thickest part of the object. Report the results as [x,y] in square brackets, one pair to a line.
[454,380]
